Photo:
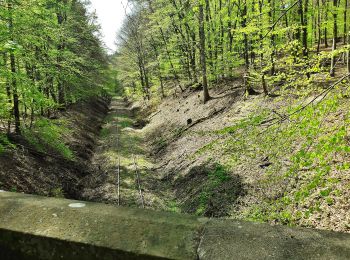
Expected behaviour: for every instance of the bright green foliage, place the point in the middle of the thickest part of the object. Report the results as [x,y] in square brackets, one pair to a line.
[47,136]
[51,57]
[216,177]
[283,40]
[5,143]
[307,152]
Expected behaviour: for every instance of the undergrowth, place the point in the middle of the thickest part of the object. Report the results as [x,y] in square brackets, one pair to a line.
[46,135]
[207,197]
[5,143]
[308,153]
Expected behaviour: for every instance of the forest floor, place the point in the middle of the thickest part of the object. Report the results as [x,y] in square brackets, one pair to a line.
[35,165]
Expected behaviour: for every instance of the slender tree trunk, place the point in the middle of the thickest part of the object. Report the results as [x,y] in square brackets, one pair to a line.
[335,36]
[230,37]
[264,85]
[8,93]
[16,112]
[348,53]
[193,57]
[272,37]
[318,26]
[325,4]
[208,34]
[144,79]
[249,89]
[206,95]
[305,32]
[245,40]
[161,86]
[344,21]
[222,35]
[61,17]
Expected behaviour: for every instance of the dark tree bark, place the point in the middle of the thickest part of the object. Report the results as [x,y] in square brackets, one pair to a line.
[304,24]
[325,5]
[319,30]
[8,93]
[335,36]
[272,38]
[61,18]
[16,112]
[249,89]
[206,96]
[344,22]
[348,54]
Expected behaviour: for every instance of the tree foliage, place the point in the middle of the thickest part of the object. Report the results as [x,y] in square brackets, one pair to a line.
[50,56]
[272,40]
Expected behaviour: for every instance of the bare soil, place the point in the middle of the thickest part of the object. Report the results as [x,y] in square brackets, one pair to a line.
[24,169]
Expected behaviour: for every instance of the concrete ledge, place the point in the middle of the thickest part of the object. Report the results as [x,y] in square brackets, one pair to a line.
[33,227]
[48,228]
[246,240]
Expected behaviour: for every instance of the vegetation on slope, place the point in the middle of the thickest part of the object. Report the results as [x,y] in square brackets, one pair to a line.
[295,141]
[51,57]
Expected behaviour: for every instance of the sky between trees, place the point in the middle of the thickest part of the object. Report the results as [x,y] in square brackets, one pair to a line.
[110,16]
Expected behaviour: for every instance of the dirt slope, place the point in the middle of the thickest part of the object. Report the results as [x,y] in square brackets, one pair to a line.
[25,169]
[223,159]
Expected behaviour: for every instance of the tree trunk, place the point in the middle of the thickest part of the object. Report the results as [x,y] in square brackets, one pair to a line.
[266,92]
[325,4]
[206,95]
[344,21]
[319,26]
[249,89]
[335,35]
[304,24]
[230,37]
[61,18]
[8,93]
[272,38]
[348,54]
[16,112]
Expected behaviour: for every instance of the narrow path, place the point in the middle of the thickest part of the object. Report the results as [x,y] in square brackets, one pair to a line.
[123,158]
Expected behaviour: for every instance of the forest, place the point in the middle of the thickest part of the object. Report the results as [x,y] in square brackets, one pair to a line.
[192,42]
[51,56]
[216,108]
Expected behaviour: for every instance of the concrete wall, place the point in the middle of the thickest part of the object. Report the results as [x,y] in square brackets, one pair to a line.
[33,227]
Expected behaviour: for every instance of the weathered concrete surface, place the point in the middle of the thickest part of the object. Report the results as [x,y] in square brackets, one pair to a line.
[48,228]
[226,239]
[33,227]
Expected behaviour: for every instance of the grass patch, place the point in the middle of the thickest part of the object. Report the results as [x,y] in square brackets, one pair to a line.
[173,207]
[305,152]
[125,123]
[209,195]
[5,143]
[46,135]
